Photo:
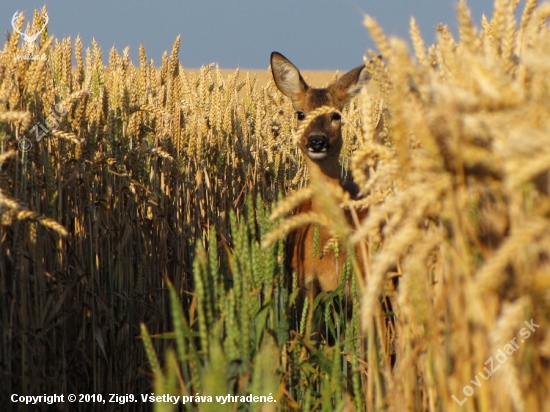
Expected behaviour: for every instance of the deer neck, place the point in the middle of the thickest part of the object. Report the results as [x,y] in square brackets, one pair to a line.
[323,175]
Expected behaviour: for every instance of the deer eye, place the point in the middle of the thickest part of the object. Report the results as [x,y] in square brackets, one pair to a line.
[336,117]
[301,115]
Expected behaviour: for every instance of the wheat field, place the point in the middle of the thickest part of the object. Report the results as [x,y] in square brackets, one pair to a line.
[144,210]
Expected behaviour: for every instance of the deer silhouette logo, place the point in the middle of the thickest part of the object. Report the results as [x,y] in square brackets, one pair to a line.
[29,39]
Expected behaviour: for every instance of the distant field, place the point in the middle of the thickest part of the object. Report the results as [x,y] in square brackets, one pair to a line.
[315,78]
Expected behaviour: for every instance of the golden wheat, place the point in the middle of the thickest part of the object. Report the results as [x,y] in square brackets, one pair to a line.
[452,161]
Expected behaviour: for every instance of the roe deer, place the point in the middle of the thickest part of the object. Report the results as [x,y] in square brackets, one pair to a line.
[320,144]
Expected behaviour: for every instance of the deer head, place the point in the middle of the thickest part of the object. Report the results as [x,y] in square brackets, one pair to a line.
[321,142]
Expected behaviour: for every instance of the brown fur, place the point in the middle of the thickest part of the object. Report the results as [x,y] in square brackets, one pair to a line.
[317,271]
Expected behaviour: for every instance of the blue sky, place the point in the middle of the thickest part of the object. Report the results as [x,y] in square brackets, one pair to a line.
[314,34]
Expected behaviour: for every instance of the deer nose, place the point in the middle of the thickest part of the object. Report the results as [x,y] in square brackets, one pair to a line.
[318,143]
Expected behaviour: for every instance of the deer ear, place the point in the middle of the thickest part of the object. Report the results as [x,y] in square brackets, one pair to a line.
[287,77]
[350,84]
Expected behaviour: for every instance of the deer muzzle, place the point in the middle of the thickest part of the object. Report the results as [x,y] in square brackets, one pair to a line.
[317,146]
